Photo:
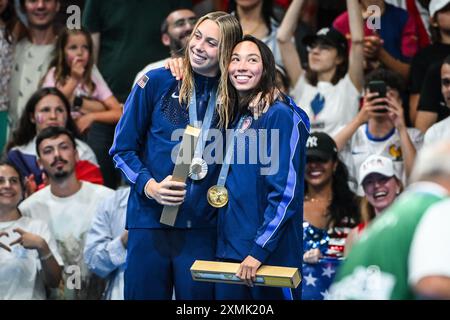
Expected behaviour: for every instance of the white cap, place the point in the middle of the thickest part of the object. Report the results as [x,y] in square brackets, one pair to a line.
[436,5]
[376,164]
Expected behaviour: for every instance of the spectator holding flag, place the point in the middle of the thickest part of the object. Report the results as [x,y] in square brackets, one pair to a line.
[331,211]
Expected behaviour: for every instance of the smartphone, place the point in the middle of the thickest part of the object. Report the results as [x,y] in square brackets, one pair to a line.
[380,87]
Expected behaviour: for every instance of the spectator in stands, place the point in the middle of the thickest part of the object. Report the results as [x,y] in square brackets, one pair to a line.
[8,37]
[106,243]
[47,107]
[257,19]
[71,71]
[29,258]
[404,253]
[331,208]
[329,89]
[379,128]
[394,44]
[126,37]
[381,186]
[330,212]
[68,206]
[441,130]
[32,54]
[425,103]
[175,32]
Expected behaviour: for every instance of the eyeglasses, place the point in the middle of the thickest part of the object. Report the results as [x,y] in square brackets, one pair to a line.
[182,22]
[445,82]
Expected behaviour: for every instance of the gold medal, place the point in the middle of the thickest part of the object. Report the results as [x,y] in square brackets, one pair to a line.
[217,196]
[198,169]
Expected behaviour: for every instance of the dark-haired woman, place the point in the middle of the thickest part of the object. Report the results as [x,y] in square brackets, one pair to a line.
[29,258]
[329,88]
[47,107]
[331,211]
[259,224]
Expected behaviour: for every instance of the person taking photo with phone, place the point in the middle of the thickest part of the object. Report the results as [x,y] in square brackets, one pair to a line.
[379,128]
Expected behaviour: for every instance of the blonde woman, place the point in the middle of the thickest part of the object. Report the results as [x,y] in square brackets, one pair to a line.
[157,106]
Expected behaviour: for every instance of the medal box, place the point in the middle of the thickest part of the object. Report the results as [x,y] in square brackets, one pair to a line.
[272,276]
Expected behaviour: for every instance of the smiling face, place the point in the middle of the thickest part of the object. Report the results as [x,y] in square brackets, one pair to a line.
[10,187]
[49,112]
[180,24]
[41,13]
[319,172]
[204,49]
[77,47]
[380,190]
[246,67]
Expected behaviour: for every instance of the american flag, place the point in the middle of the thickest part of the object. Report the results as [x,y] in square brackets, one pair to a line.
[142,81]
[317,278]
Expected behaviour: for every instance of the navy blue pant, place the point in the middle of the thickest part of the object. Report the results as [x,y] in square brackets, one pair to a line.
[225,291]
[159,260]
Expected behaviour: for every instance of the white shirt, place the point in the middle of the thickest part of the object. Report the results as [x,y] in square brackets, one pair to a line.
[69,219]
[438,132]
[362,145]
[429,254]
[31,63]
[104,252]
[340,107]
[20,270]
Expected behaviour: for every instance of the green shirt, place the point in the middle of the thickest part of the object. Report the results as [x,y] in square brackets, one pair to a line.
[377,266]
[130,37]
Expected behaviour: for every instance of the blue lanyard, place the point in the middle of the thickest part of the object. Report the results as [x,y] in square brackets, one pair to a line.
[230,150]
[206,125]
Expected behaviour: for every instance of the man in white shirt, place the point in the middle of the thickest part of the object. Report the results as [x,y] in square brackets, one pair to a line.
[441,130]
[380,129]
[68,206]
[175,32]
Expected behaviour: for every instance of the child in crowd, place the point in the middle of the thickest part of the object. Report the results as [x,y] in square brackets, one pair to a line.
[47,107]
[72,71]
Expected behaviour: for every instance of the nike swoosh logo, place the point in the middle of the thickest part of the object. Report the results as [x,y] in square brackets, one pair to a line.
[175,96]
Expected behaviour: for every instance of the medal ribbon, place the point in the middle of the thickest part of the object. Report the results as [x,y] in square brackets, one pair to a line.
[193,120]
[230,150]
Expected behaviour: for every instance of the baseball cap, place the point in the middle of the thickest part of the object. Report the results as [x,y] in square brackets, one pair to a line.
[321,145]
[436,5]
[376,164]
[328,35]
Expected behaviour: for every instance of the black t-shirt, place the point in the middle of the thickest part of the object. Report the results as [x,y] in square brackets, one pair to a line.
[431,98]
[420,64]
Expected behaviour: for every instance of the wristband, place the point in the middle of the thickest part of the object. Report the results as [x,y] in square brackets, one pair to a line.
[46,257]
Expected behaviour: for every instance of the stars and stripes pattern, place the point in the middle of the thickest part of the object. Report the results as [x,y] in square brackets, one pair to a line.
[318,277]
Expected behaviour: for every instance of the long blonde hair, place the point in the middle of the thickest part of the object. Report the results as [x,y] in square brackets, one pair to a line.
[230,33]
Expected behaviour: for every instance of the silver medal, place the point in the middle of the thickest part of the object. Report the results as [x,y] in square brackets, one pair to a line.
[198,169]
